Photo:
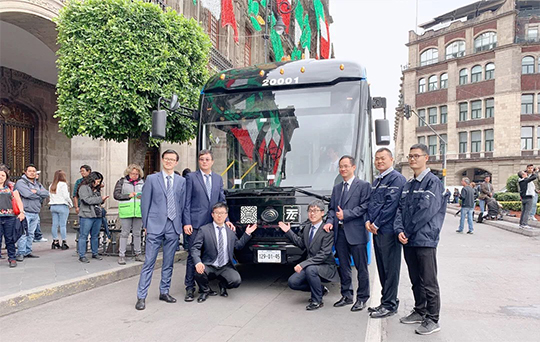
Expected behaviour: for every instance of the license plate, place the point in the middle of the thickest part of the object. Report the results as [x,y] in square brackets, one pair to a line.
[265,256]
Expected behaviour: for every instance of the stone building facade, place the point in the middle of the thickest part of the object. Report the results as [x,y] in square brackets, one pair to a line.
[29,133]
[472,81]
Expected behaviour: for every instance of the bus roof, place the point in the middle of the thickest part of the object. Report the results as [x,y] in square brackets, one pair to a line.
[285,75]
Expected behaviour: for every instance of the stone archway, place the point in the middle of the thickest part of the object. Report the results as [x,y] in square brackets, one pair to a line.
[476,175]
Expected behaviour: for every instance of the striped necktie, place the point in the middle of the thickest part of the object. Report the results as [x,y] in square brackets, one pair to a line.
[208,186]
[171,207]
[221,252]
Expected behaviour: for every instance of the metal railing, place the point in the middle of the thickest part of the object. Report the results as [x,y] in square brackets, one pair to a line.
[219,61]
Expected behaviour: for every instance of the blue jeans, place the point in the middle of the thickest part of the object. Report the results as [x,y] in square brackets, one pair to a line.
[466,212]
[60,213]
[482,204]
[25,242]
[89,225]
[7,226]
[533,209]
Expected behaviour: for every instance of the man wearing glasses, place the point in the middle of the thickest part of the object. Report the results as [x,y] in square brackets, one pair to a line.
[162,204]
[204,189]
[212,251]
[418,223]
[320,265]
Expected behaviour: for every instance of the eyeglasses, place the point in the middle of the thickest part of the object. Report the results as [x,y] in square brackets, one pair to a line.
[170,160]
[220,213]
[415,156]
[313,211]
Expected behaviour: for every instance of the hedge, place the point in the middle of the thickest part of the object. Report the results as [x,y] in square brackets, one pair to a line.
[516,206]
[507,197]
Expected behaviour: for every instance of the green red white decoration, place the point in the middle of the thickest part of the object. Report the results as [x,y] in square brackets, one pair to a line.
[228,18]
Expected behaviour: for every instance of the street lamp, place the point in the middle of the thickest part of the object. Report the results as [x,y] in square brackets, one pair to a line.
[279,26]
[283,7]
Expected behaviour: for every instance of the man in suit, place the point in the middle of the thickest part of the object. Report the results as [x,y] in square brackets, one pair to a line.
[204,189]
[347,217]
[385,195]
[212,252]
[162,204]
[320,265]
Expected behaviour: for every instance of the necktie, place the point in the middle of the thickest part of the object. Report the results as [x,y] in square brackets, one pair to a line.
[208,186]
[221,252]
[171,207]
[311,234]
[343,193]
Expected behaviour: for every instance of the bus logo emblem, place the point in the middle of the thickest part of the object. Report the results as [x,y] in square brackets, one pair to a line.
[291,214]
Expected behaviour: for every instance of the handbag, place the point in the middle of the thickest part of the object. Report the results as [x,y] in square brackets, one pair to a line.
[14,205]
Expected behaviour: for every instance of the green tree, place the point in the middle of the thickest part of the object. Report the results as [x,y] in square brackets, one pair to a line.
[512,184]
[116,58]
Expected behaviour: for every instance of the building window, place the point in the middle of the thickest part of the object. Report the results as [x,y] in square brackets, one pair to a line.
[532,34]
[527,103]
[527,138]
[444,114]
[422,140]
[428,57]
[432,83]
[422,85]
[463,142]
[490,71]
[421,117]
[432,145]
[463,76]
[476,141]
[444,81]
[488,135]
[476,74]
[527,65]
[463,111]
[247,47]
[476,109]
[455,49]
[490,108]
[443,144]
[485,41]
[213,29]
[432,116]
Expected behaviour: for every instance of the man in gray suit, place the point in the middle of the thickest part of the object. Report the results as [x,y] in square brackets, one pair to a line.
[162,203]
[212,253]
[320,265]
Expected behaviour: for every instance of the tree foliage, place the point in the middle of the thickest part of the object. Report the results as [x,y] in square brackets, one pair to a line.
[116,58]
[512,184]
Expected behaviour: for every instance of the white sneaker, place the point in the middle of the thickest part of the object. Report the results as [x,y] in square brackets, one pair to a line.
[41,240]
[533,218]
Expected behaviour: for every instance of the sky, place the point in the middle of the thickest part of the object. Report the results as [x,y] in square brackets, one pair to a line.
[374,33]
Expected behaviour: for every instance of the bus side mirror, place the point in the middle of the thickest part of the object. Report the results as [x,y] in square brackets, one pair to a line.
[382,132]
[159,123]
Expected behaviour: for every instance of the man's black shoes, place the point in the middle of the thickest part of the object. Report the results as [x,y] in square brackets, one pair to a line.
[202,297]
[314,306]
[190,295]
[343,301]
[223,291]
[140,304]
[373,309]
[382,312]
[167,298]
[358,306]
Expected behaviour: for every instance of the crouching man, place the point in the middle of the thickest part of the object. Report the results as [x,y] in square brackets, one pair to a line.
[212,253]
[320,265]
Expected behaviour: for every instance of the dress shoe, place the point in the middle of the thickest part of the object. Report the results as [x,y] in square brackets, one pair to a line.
[382,312]
[373,309]
[343,301]
[211,292]
[167,298]
[202,297]
[358,306]
[223,292]
[325,291]
[97,257]
[30,255]
[141,305]
[190,295]
[314,306]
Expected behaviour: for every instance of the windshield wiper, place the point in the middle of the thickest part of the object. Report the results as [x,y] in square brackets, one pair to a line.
[301,189]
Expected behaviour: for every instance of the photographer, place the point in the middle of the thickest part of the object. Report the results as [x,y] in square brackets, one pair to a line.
[527,192]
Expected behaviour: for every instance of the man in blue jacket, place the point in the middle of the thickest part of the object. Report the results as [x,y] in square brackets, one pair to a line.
[385,195]
[418,223]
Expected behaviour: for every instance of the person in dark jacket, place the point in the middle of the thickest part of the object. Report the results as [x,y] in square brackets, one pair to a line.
[382,207]
[418,223]
[467,205]
[526,191]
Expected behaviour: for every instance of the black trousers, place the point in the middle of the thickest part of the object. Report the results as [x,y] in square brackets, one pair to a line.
[388,255]
[227,275]
[359,254]
[422,264]
[308,280]
[190,265]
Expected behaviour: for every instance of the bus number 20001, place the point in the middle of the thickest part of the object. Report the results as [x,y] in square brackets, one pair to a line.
[279,81]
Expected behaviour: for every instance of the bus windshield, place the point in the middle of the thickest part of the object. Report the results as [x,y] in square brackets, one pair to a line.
[291,137]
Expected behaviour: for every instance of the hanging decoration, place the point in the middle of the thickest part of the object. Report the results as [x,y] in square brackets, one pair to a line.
[214,6]
[322,30]
[228,18]
[253,13]
[302,33]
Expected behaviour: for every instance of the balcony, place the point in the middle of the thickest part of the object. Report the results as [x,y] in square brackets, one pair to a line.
[218,61]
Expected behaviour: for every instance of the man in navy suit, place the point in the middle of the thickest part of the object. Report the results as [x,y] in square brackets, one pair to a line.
[347,217]
[204,189]
[162,205]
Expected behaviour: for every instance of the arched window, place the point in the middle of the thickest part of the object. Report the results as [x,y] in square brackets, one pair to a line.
[463,76]
[527,65]
[476,74]
[444,81]
[485,41]
[490,71]
[455,49]
[432,83]
[429,56]
[422,85]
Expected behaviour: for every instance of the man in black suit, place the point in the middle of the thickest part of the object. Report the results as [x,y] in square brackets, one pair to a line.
[320,265]
[212,253]
[347,217]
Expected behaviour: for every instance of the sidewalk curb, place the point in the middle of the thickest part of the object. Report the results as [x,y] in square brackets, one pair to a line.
[40,295]
[500,225]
